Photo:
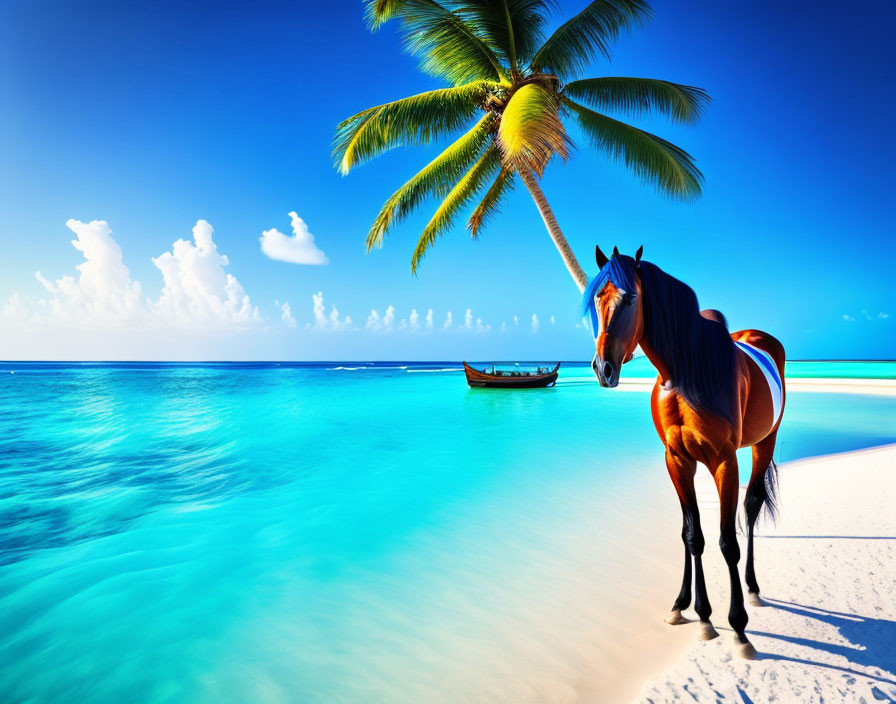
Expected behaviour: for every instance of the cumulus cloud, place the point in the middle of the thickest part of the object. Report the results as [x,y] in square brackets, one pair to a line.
[15,309]
[286,313]
[536,323]
[411,323]
[196,289]
[298,249]
[381,324]
[324,320]
[472,324]
[385,323]
[102,293]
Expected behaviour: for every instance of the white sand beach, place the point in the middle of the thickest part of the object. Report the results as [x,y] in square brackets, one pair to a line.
[827,571]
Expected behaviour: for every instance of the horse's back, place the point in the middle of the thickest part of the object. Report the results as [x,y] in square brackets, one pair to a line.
[764,401]
[764,341]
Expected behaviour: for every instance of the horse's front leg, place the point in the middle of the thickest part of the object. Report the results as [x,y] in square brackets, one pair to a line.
[681,470]
[725,474]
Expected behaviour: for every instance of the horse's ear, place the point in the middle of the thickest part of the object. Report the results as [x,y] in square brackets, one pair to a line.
[639,253]
[600,257]
[615,251]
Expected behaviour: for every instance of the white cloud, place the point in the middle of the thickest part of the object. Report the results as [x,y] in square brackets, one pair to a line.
[286,313]
[376,323]
[323,321]
[552,320]
[412,324]
[15,309]
[503,327]
[385,323]
[516,320]
[197,289]
[45,283]
[102,293]
[472,324]
[535,323]
[298,249]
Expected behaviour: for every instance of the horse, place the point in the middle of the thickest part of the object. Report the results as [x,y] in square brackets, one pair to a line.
[715,392]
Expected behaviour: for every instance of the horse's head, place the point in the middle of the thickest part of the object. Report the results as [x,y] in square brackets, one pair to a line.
[612,309]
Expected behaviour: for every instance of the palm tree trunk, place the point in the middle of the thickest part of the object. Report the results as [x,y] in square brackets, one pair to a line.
[550,222]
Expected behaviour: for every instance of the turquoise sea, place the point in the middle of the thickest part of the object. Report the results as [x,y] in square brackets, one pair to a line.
[338,532]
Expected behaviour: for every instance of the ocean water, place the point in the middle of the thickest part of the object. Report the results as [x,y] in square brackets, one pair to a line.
[328,532]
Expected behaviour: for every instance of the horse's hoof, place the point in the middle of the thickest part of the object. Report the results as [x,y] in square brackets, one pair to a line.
[707,632]
[675,618]
[753,599]
[744,648]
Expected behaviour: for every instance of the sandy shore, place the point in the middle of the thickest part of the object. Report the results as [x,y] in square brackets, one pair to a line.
[828,576]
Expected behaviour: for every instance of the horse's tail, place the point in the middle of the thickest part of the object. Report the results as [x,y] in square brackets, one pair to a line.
[762,495]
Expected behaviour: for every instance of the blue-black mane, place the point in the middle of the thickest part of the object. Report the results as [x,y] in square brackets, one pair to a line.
[698,353]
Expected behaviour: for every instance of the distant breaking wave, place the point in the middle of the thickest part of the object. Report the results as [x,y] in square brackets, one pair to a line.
[447,369]
[371,368]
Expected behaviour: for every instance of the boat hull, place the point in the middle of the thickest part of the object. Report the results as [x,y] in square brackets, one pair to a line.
[478,379]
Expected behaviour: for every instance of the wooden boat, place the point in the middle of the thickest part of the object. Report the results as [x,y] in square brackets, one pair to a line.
[496,379]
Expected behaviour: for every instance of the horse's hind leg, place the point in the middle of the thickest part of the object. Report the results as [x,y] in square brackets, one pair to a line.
[757,497]
[725,474]
[682,470]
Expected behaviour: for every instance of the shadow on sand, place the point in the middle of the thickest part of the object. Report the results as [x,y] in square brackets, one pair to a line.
[872,643]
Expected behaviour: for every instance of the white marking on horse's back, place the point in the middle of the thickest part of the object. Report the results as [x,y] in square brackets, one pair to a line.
[769,369]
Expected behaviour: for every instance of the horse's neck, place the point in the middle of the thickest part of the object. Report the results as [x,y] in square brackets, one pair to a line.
[661,365]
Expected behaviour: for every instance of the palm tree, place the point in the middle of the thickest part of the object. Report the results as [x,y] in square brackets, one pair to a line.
[511,91]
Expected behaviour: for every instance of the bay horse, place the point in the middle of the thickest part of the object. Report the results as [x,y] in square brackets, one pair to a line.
[714,393]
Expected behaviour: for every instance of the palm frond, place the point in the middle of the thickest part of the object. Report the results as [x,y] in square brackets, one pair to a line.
[531,132]
[467,187]
[572,47]
[651,158]
[491,201]
[447,46]
[378,12]
[438,177]
[514,28]
[634,95]
[418,119]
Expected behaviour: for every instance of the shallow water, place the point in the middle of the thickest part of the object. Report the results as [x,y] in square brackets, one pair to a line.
[325,533]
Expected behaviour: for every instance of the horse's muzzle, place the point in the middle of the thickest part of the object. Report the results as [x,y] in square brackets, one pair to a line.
[606,373]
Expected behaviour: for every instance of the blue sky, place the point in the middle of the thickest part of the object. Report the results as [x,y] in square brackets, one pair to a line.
[152,116]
